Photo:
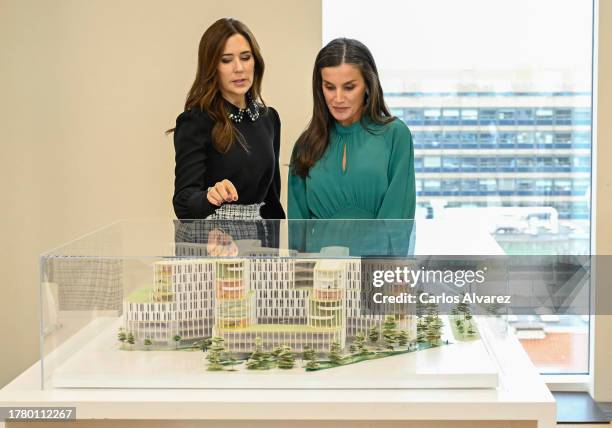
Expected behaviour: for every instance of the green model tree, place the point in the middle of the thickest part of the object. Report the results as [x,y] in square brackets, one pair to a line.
[402,338]
[130,338]
[460,328]
[259,360]
[360,343]
[433,333]
[311,356]
[464,311]
[215,354]
[309,353]
[462,308]
[374,334]
[389,331]
[470,330]
[353,348]
[205,343]
[335,353]
[432,324]
[276,352]
[176,339]
[147,343]
[122,337]
[421,329]
[286,358]
[420,306]
[463,322]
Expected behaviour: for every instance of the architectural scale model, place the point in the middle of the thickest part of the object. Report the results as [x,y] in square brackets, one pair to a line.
[261,300]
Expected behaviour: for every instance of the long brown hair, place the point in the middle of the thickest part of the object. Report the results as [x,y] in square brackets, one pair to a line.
[205,93]
[311,145]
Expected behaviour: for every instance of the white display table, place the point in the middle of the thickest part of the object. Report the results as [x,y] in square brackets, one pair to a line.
[521,399]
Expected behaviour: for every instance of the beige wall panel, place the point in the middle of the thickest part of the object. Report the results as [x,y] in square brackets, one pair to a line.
[88,88]
[603,323]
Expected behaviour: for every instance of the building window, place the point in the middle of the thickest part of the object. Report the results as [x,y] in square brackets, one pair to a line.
[431,162]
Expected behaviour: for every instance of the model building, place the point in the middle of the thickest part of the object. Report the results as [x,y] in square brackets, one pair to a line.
[264,297]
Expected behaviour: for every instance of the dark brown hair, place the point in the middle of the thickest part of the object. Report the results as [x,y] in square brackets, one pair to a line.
[205,93]
[311,145]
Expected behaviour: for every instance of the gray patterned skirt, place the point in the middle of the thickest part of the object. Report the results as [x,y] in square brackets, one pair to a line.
[237,212]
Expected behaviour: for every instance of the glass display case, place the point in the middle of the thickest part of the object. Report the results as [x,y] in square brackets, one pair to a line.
[265,304]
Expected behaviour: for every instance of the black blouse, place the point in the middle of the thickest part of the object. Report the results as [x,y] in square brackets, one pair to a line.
[255,173]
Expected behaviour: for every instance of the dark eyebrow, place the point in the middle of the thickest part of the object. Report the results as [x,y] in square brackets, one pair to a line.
[345,83]
[241,53]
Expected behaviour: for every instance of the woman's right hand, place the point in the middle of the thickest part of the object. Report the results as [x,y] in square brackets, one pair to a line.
[222,192]
[220,244]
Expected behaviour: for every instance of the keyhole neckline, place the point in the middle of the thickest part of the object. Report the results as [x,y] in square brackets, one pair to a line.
[353,127]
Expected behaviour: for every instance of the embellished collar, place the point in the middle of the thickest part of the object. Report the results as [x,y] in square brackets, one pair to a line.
[251,110]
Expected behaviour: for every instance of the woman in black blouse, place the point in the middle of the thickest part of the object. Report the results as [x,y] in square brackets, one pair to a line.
[227,141]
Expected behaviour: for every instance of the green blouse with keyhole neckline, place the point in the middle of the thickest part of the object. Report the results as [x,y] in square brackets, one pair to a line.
[377,182]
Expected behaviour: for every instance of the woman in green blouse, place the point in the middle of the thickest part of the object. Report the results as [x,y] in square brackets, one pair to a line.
[355,160]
